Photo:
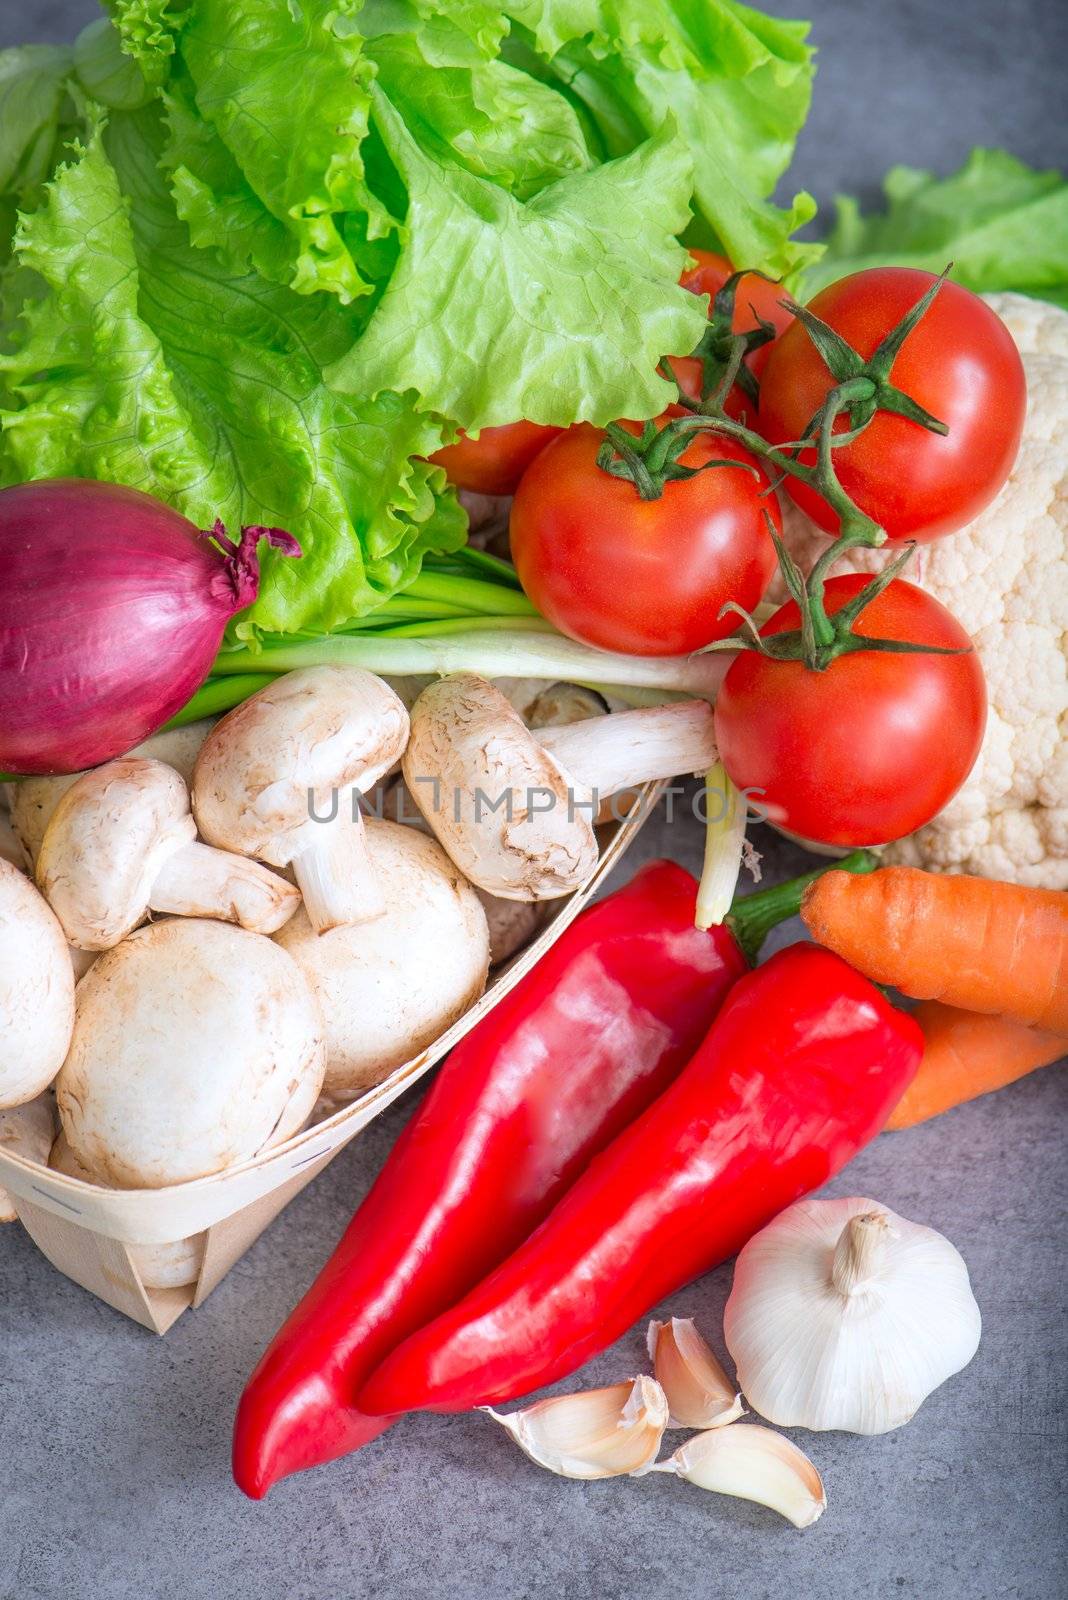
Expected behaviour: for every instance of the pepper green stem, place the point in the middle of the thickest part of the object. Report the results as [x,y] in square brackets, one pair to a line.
[752,916]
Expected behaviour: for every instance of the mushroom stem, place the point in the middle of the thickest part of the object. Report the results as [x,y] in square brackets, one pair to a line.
[605,754]
[857,1253]
[200,881]
[335,873]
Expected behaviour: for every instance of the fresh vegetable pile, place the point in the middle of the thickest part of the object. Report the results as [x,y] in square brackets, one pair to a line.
[333,277]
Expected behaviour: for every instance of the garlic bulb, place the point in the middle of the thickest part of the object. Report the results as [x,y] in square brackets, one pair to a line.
[699,1393]
[843,1315]
[752,1463]
[601,1433]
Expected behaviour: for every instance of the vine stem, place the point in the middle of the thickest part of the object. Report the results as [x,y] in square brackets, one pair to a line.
[856,529]
[861,388]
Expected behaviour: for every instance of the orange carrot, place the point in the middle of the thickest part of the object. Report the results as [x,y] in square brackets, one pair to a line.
[966,1055]
[971,942]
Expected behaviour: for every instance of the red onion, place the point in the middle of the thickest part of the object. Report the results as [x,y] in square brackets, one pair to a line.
[112,609]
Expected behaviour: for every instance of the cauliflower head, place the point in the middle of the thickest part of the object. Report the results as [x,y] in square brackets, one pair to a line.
[1005,577]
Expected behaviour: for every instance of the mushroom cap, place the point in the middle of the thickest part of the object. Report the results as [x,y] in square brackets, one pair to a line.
[33,800]
[313,733]
[103,849]
[469,752]
[511,922]
[159,1266]
[36,990]
[27,1131]
[390,987]
[196,1045]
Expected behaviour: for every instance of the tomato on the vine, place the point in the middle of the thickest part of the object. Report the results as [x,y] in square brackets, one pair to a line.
[871,747]
[755,300]
[959,362]
[648,577]
[495,461]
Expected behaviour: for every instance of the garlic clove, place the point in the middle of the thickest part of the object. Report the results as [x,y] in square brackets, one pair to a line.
[601,1433]
[843,1315]
[752,1463]
[699,1393]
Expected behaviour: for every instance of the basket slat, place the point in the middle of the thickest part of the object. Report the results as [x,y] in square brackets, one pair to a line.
[228,1240]
[103,1266]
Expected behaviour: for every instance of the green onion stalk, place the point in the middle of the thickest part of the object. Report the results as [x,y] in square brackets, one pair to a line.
[448,621]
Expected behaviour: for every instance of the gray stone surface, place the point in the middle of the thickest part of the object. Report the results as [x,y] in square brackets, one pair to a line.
[114,1444]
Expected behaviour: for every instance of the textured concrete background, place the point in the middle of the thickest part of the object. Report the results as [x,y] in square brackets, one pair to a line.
[114,1444]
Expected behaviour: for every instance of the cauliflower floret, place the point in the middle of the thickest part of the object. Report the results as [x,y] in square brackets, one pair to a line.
[1005,577]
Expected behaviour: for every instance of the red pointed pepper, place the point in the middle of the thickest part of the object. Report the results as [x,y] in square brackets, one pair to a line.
[582,1045]
[802,1066]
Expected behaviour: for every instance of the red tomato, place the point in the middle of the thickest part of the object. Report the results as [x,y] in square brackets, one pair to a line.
[872,747]
[960,363]
[495,461]
[753,294]
[647,577]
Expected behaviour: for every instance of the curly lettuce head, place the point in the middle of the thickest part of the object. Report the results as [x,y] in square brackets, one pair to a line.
[261,259]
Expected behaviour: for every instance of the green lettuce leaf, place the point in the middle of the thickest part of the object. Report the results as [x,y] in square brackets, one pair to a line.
[36,116]
[1002,224]
[483,116]
[286,89]
[304,170]
[105,72]
[211,196]
[147,30]
[553,310]
[141,362]
[737,83]
[234,128]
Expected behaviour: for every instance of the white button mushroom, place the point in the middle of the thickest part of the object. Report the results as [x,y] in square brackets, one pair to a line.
[159,1266]
[512,923]
[36,990]
[122,841]
[280,777]
[515,807]
[390,988]
[27,1131]
[33,800]
[196,1045]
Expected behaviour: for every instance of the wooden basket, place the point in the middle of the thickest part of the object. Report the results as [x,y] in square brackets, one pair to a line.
[86,1231]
